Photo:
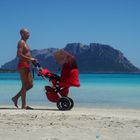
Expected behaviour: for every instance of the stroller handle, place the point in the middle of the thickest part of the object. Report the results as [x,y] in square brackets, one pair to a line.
[45,74]
[37,65]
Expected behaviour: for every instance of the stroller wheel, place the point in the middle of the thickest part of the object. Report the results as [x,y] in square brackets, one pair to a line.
[64,103]
[71,103]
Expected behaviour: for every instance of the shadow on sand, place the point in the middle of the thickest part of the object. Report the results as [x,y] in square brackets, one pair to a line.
[45,109]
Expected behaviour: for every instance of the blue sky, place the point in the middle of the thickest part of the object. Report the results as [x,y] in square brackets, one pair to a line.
[54,23]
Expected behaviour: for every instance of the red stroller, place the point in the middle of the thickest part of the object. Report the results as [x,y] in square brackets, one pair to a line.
[58,92]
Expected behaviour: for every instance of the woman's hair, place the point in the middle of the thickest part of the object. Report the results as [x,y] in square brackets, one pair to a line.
[23,30]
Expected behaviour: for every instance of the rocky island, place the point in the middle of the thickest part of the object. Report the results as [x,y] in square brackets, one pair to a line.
[92,58]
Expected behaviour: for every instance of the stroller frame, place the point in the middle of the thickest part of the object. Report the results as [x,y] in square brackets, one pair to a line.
[63,102]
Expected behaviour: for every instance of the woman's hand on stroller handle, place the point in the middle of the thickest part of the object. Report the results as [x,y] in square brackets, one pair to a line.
[33,60]
[36,64]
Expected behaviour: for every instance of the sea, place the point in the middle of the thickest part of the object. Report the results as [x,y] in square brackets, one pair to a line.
[96,90]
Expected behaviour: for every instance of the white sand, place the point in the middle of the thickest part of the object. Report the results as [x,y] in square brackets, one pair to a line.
[77,124]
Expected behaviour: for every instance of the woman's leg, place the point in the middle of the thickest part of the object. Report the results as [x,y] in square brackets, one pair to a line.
[16,97]
[27,83]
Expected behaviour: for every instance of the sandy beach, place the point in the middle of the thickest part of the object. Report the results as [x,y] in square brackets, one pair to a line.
[78,124]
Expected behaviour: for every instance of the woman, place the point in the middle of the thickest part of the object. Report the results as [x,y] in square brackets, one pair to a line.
[24,55]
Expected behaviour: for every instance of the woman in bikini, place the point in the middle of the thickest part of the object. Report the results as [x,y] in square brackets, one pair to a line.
[24,55]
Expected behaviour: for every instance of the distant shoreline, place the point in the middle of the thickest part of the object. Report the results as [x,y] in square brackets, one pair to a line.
[13,71]
[1,71]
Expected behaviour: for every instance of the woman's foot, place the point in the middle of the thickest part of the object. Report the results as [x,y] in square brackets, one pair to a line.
[27,108]
[15,101]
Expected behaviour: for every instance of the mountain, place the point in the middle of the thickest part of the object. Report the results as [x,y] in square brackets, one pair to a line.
[90,58]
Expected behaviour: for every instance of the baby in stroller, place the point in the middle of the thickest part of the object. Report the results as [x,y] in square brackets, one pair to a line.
[59,90]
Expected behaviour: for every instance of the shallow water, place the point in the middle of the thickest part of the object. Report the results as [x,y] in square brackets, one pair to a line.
[97,90]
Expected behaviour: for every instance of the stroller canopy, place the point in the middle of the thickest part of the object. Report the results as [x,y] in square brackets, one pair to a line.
[69,75]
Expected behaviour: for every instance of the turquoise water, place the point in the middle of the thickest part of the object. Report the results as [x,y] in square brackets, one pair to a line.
[97,90]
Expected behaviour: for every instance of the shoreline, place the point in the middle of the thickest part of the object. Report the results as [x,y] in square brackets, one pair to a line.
[48,105]
[47,123]
[93,72]
[51,105]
